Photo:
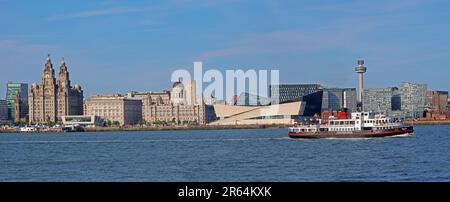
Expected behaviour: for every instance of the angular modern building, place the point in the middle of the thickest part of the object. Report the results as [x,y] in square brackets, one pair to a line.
[406,101]
[288,92]
[52,99]
[286,113]
[115,108]
[381,100]
[247,99]
[413,99]
[310,94]
[339,98]
[17,97]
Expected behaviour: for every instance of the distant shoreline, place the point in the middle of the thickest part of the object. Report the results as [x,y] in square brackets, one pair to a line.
[170,128]
[428,122]
[188,128]
[116,129]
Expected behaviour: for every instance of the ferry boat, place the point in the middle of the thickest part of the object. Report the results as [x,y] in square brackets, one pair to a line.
[359,125]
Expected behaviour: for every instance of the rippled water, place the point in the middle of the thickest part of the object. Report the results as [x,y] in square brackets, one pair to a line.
[223,155]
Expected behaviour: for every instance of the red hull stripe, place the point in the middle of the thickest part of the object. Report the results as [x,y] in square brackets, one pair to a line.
[351,134]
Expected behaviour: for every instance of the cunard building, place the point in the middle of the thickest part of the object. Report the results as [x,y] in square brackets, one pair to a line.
[52,99]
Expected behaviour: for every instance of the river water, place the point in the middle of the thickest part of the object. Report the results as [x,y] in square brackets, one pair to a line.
[223,155]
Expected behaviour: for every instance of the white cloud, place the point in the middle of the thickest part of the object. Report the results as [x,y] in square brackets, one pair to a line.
[94,13]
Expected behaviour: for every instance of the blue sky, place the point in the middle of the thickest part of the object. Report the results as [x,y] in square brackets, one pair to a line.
[118,46]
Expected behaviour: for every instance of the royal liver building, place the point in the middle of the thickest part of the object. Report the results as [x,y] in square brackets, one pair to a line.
[53,99]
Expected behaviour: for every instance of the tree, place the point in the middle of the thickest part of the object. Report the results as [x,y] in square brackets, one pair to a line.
[116,123]
[108,123]
[142,122]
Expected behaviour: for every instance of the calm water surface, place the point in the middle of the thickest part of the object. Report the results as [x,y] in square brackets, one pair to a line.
[223,155]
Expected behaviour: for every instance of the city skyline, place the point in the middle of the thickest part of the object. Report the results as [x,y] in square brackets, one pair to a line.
[131,42]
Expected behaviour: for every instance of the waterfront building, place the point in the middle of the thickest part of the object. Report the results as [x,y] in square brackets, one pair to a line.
[413,99]
[288,92]
[247,99]
[436,105]
[448,106]
[82,120]
[173,106]
[381,100]
[3,112]
[52,99]
[286,113]
[115,109]
[17,96]
[190,92]
[178,94]
[339,98]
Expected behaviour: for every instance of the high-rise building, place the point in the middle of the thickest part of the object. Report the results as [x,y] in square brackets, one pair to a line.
[17,93]
[52,99]
[289,92]
[380,100]
[115,108]
[436,104]
[3,112]
[339,98]
[413,99]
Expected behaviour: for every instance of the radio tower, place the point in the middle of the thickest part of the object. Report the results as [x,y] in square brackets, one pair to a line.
[360,70]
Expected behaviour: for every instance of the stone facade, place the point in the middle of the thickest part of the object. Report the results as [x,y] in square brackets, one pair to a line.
[53,99]
[172,106]
[115,108]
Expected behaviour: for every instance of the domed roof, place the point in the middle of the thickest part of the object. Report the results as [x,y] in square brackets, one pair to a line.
[178,84]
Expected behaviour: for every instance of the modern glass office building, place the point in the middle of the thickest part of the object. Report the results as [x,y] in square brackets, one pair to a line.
[12,91]
[381,100]
[3,112]
[247,99]
[339,98]
[413,99]
[288,92]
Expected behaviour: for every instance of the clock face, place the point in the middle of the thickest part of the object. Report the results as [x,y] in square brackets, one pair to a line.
[47,76]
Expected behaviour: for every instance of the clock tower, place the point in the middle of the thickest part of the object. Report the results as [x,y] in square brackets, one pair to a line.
[53,99]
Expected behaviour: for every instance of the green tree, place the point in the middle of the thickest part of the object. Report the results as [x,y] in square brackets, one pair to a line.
[142,122]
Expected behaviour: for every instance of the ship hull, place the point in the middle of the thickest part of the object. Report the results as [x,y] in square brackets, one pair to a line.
[354,134]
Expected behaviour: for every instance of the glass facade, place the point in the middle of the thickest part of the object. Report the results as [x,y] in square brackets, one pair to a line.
[12,91]
[339,98]
[3,112]
[288,92]
[408,100]
[380,100]
[247,99]
[413,99]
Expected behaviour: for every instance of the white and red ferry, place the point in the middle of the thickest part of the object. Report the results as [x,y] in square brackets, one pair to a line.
[359,125]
